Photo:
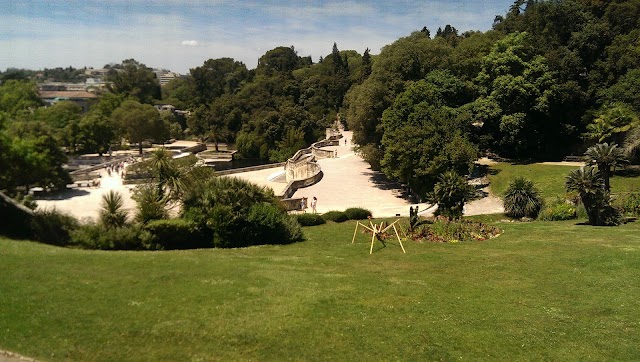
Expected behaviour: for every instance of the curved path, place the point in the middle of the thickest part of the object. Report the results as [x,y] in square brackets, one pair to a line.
[347,181]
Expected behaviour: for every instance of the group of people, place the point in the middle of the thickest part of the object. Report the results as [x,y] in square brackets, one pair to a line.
[303,204]
[119,168]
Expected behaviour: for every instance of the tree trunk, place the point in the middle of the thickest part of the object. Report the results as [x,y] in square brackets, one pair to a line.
[140,148]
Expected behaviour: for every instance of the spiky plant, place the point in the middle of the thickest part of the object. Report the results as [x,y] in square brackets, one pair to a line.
[522,199]
[149,206]
[450,193]
[112,214]
[604,156]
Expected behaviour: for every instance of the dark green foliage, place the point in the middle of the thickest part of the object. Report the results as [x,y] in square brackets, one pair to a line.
[134,80]
[451,192]
[149,205]
[16,218]
[357,213]
[53,227]
[112,214]
[589,184]
[176,234]
[237,213]
[310,219]
[605,156]
[335,216]
[269,225]
[95,236]
[557,211]
[522,199]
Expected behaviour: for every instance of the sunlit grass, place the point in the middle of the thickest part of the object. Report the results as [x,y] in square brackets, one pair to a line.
[553,290]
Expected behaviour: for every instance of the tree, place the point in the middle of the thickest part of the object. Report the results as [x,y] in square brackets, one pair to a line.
[96,133]
[522,199]
[605,156]
[451,192]
[140,122]
[217,77]
[520,88]
[136,80]
[589,185]
[18,96]
[112,213]
[424,135]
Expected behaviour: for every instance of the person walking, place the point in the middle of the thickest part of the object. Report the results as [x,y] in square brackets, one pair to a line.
[314,203]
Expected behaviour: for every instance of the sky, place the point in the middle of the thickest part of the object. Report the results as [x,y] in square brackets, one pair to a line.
[182,34]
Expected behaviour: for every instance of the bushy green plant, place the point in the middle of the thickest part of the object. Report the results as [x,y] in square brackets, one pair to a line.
[269,225]
[357,213]
[96,236]
[310,219]
[335,216]
[148,205]
[557,211]
[522,199]
[53,227]
[237,213]
[629,203]
[176,234]
[451,192]
[112,214]
[589,184]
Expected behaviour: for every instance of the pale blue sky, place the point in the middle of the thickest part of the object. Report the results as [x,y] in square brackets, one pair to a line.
[178,34]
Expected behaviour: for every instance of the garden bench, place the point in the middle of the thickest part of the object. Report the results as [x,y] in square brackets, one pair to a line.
[572,158]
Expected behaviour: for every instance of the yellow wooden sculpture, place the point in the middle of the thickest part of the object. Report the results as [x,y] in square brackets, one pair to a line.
[377,231]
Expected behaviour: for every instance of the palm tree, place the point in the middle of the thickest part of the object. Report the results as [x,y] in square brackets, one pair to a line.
[604,156]
[112,214]
[149,207]
[522,199]
[589,184]
[163,169]
[450,193]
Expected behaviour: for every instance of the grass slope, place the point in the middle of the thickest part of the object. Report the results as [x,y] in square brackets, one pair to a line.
[553,290]
[550,179]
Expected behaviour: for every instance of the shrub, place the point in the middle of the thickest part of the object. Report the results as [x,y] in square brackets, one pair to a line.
[357,213]
[267,224]
[236,213]
[522,199]
[335,216]
[53,227]
[148,205]
[450,193]
[15,219]
[176,234]
[95,236]
[557,211]
[310,219]
[629,204]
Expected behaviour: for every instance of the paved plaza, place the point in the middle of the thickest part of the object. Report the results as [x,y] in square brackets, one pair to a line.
[347,181]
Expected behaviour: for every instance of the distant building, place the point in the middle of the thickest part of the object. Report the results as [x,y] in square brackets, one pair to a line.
[83,98]
[165,76]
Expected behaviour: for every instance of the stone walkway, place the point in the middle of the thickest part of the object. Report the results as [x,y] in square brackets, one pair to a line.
[347,181]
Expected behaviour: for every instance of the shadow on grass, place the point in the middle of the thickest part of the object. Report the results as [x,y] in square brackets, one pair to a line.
[629,171]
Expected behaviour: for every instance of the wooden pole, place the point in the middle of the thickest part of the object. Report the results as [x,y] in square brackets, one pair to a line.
[398,236]
[354,232]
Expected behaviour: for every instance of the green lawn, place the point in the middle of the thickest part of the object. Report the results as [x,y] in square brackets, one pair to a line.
[540,291]
[550,179]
